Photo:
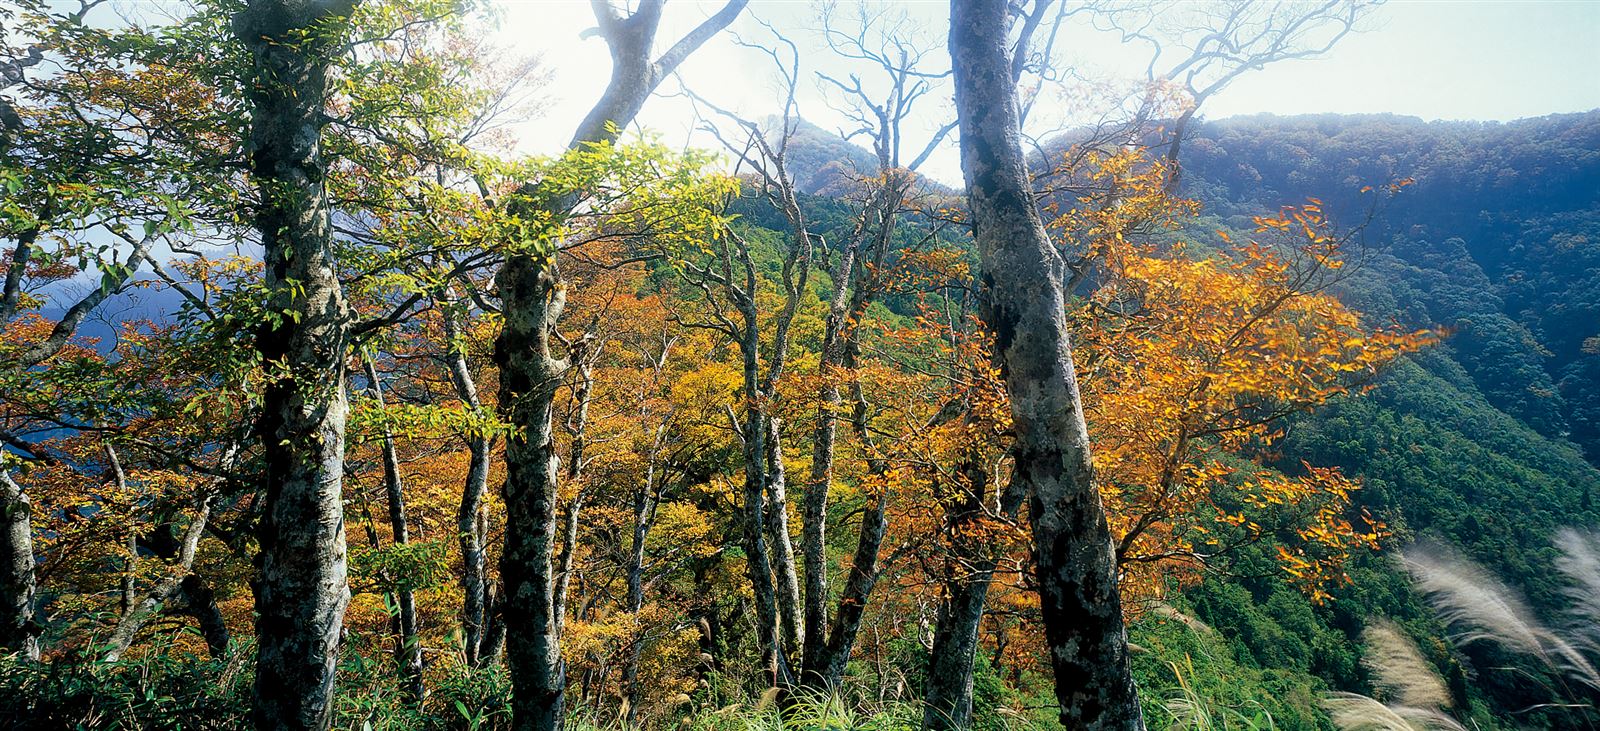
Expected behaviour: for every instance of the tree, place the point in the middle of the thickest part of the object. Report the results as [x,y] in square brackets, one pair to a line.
[90,144]
[532,298]
[301,588]
[1190,357]
[1022,305]
[1202,48]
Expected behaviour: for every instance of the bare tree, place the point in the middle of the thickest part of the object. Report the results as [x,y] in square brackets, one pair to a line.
[1203,47]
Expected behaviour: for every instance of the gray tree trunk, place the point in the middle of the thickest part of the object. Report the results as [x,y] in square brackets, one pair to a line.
[579,429]
[532,295]
[301,585]
[408,639]
[644,513]
[969,574]
[827,651]
[18,631]
[782,544]
[140,609]
[1022,304]
[533,298]
[469,523]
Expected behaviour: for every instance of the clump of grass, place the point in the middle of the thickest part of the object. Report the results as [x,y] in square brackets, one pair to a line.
[1579,561]
[1356,712]
[1192,711]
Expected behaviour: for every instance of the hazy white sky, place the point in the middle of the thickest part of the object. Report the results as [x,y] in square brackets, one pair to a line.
[1435,59]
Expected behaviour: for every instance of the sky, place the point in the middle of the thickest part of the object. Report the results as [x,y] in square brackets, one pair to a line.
[1435,59]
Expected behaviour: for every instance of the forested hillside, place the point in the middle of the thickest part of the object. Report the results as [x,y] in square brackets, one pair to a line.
[323,406]
[1481,440]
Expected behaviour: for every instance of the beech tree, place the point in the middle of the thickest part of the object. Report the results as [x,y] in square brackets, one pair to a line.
[99,169]
[301,588]
[532,298]
[660,349]
[1200,49]
[1022,304]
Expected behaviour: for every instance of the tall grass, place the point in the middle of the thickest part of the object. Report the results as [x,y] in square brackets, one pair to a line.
[1400,670]
[1416,695]
[1356,712]
[1579,561]
[1478,607]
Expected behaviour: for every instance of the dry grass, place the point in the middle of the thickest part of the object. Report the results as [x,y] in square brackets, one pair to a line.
[1356,712]
[1579,560]
[1400,670]
[1479,607]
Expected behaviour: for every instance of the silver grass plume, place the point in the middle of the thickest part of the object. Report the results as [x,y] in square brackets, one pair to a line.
[1356,712]
[1478,606]
[1169,612]
[1579,560]
[1399,669]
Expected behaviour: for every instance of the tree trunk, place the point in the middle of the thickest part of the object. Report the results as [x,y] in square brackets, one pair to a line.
[18,631]
[969,574]
[202,605]
[832,658]
[857,589]
[644,509]
[140,609]
[570,521]
[1022,304]
[531,296]
[301,586]
[948,705]
[827,652]
[814,532]
[758,564]
[782,544]
[533,299]
[469,516]
[408,640]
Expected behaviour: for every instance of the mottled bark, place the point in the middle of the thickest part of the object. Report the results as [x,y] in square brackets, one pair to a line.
[18,631]
[408,638]
[827,650]
[1022,304]
[753,430]
[532,293]
[533,298]
[301,585]
[824,437]
[565,561]
[758,564]
[782,545]
[858,586]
